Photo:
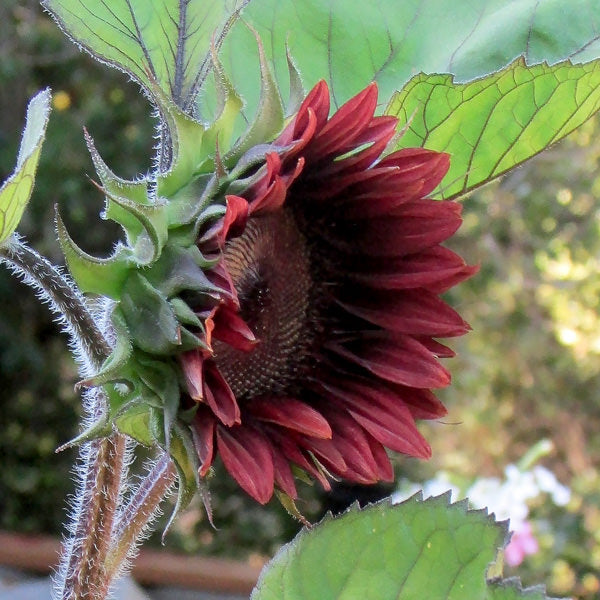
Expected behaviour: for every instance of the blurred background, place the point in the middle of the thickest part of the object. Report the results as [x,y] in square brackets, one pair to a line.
[529,372]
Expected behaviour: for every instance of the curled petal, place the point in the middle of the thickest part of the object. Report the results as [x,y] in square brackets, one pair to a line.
[192,364]
[234,221]
[233,330]
[246,454]
[218,395]
[203,435]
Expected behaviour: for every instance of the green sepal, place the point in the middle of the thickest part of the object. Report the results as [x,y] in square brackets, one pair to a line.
[297,93]
[185,314]
[302,475]
[161,378]
[179,269]
[218,135]
[100,428]
[290,506]
[269,116]
[134,421]
[154,220]
[114,367]
[150,319]
[187,203]
[187,150]
[104,276]
[200,211]
[136,191]
[184,455]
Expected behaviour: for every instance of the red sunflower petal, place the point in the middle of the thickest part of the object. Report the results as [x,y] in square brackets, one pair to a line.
[192,365]
[295,454]
[399,359]
[377,136]
[419,164]
[385,471]
[367,204]
[218,395]
[246,454]
[348,123]
[317,102]
[290,413]
[203,434]
[284,477]
[384,414]
[234,221]
[438,349]
[325,451]
[432,268]
[233,330]
[407,311]
[350,440]
[412,227]
[423,404]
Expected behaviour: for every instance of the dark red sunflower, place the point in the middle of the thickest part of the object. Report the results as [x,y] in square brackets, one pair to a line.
[325,352]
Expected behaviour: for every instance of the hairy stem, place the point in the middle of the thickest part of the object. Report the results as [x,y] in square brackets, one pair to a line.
[140,511]
[64,299]
[83,565]
[84,561]
[98,546]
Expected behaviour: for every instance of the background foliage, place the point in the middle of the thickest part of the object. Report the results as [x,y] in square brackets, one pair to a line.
[529,370]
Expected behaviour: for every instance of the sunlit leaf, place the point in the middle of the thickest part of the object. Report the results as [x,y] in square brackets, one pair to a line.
[413,550]
[493,124]
[165,41]
[16,190]
[351,43]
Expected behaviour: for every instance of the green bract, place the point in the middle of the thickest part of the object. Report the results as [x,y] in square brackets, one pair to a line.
[159,264]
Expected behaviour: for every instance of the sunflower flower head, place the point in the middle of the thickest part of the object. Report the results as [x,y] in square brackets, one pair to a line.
[277,307]
[327,352]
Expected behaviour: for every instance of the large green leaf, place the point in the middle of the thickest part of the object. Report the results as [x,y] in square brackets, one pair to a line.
[350,43]
[165,42]
[413,550]
[16,190]
[495,123]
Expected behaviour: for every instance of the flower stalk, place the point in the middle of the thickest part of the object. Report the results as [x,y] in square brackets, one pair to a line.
[139,512]
[86,571]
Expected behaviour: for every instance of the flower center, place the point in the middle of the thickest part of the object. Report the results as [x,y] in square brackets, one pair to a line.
[270,267]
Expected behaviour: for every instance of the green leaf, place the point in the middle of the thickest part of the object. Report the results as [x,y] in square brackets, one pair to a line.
[411,550]
[156,42]
[391,41]
[16,190]
[490,125]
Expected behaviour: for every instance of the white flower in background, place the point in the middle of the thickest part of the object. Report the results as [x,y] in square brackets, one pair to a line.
[547,482]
